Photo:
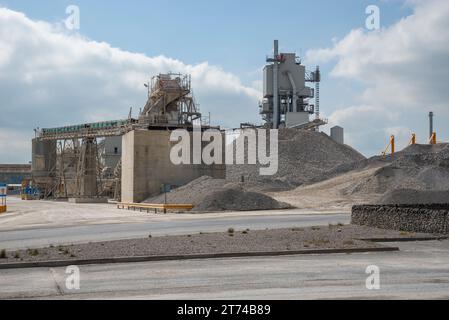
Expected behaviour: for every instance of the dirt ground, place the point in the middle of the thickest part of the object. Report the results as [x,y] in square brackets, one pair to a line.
[47,214]
[330,195]
[324,237]
[35,214]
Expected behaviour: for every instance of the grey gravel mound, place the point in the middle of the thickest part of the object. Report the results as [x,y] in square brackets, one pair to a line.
[417,175]
[209,194]
[409,196]
[193,192]
[425,148]
[304,157]
[237,199]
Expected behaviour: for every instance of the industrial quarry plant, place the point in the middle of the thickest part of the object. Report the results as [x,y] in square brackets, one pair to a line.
[92,162]
[321,174]
[286,96]
[68,162]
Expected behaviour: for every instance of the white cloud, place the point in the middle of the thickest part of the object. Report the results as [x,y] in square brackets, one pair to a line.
[49,77]
[403,70]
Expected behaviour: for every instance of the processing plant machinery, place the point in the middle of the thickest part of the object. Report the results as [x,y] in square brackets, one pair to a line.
[285,94]
[66,160]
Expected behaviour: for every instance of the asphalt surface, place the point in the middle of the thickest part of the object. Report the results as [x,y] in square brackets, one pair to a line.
[418,271]
[42,237]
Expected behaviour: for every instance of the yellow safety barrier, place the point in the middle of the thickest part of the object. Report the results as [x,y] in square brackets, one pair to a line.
[148,206]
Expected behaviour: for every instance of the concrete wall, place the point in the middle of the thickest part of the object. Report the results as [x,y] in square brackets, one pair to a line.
[412,218]
[146,165]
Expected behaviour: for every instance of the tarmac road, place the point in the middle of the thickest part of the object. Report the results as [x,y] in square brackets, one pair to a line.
[45,236]
[418,271]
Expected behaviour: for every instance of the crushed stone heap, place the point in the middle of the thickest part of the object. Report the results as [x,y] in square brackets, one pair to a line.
[304,157]
[209,194]
[423,168]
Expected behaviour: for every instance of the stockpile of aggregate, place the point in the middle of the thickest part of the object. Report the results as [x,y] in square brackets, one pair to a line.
[208,194]
[191,193]
[303,157]
[237,199]
[418,174]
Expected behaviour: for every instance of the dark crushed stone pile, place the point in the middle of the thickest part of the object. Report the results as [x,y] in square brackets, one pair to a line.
[209,194]
[237,199]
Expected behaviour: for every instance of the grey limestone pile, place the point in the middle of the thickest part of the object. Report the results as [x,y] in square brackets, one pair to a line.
[419,174]
[209,194]
[235,199]
[304,157]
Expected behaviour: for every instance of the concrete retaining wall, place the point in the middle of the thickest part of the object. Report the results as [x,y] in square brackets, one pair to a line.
[433,218]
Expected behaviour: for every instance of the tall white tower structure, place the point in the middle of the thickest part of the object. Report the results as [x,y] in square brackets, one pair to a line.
[286,98]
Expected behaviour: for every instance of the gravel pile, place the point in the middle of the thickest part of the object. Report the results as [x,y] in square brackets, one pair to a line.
[304,157]
[193,192]
[209,194]
[237,199]
[418,174]
[307,157]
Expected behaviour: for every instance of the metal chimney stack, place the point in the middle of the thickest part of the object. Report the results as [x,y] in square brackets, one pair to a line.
[430,124]
[276,86]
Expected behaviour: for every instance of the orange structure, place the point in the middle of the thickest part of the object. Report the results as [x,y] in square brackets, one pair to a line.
[391,146]
[413,139]
[433,138]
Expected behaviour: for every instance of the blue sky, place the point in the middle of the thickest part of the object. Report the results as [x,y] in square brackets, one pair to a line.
[374,83]
[233,34]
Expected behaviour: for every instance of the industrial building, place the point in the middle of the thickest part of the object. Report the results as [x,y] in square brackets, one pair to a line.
[125,159]
[287,101]
[14,174]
